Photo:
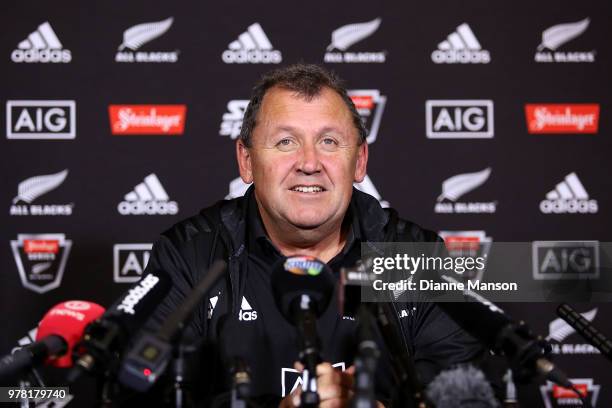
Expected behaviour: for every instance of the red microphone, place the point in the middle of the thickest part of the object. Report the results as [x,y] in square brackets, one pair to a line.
[59,330]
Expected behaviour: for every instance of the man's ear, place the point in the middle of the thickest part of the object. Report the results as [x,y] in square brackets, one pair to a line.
[243,155]
[361,166]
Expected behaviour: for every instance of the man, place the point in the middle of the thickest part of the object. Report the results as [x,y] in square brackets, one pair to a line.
[302,146]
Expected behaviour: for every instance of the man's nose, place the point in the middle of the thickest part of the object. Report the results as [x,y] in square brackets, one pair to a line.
[309,159]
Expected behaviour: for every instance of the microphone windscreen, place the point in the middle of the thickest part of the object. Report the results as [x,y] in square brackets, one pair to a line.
[68,320]
[462,387]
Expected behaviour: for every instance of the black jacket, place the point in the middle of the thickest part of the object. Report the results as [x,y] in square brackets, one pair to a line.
[188,249]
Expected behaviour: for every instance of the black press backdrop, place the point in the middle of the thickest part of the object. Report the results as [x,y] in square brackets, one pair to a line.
[199,44]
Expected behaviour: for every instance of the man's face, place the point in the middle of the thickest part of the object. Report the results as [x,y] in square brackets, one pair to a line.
[304,158]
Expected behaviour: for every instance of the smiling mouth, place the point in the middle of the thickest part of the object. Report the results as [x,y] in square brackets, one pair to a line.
[308,189]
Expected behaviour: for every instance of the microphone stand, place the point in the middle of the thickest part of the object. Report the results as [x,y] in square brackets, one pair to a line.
[366,362]
[410,390]
[241,383]
[308,343]
[181,373]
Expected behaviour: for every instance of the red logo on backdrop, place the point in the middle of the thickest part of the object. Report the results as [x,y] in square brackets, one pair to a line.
[561,392]
[555,396]
[363,101]
[147,119]
[562,118]
[40,245]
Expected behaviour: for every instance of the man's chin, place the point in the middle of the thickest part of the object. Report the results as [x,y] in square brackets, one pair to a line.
[307,223]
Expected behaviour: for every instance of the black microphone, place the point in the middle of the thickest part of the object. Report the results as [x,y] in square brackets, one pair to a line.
[302,287]
[149,357]
[463,386]
[366,362]
[586,329]
[490,324]
[105,339]
[12,365]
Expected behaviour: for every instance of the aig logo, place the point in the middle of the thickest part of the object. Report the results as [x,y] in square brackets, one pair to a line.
[560,260]
[130,261]
[459,119]
[40,119]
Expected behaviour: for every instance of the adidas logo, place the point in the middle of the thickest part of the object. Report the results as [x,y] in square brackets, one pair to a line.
[252,47]
[569,197]
[407,312]
[212,304]
[148,198]
[461,47]
[41,45]
[246,313]
[140,34]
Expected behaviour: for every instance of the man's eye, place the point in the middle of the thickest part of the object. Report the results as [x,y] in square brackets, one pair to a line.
[329,141]
[284,142]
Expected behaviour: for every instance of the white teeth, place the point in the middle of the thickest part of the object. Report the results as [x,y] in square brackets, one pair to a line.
[312,189]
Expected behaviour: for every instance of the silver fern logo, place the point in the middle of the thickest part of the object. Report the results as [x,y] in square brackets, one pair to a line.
[557,36]
[346,36]
[141,34]
[559,330]
[32,188]
[455,187]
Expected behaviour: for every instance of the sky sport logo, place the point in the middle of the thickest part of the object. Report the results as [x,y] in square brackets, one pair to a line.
[31,119]
[41,260]
[33,187]
[461,47]
[569,197]
[459,119]
[147,119]
[565,260]
[252,47]
[562,118]
[43,46]
[139,35]
[148,198]
[344,37]
[455,187]
[130,261]
[231,122]
[558,35]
